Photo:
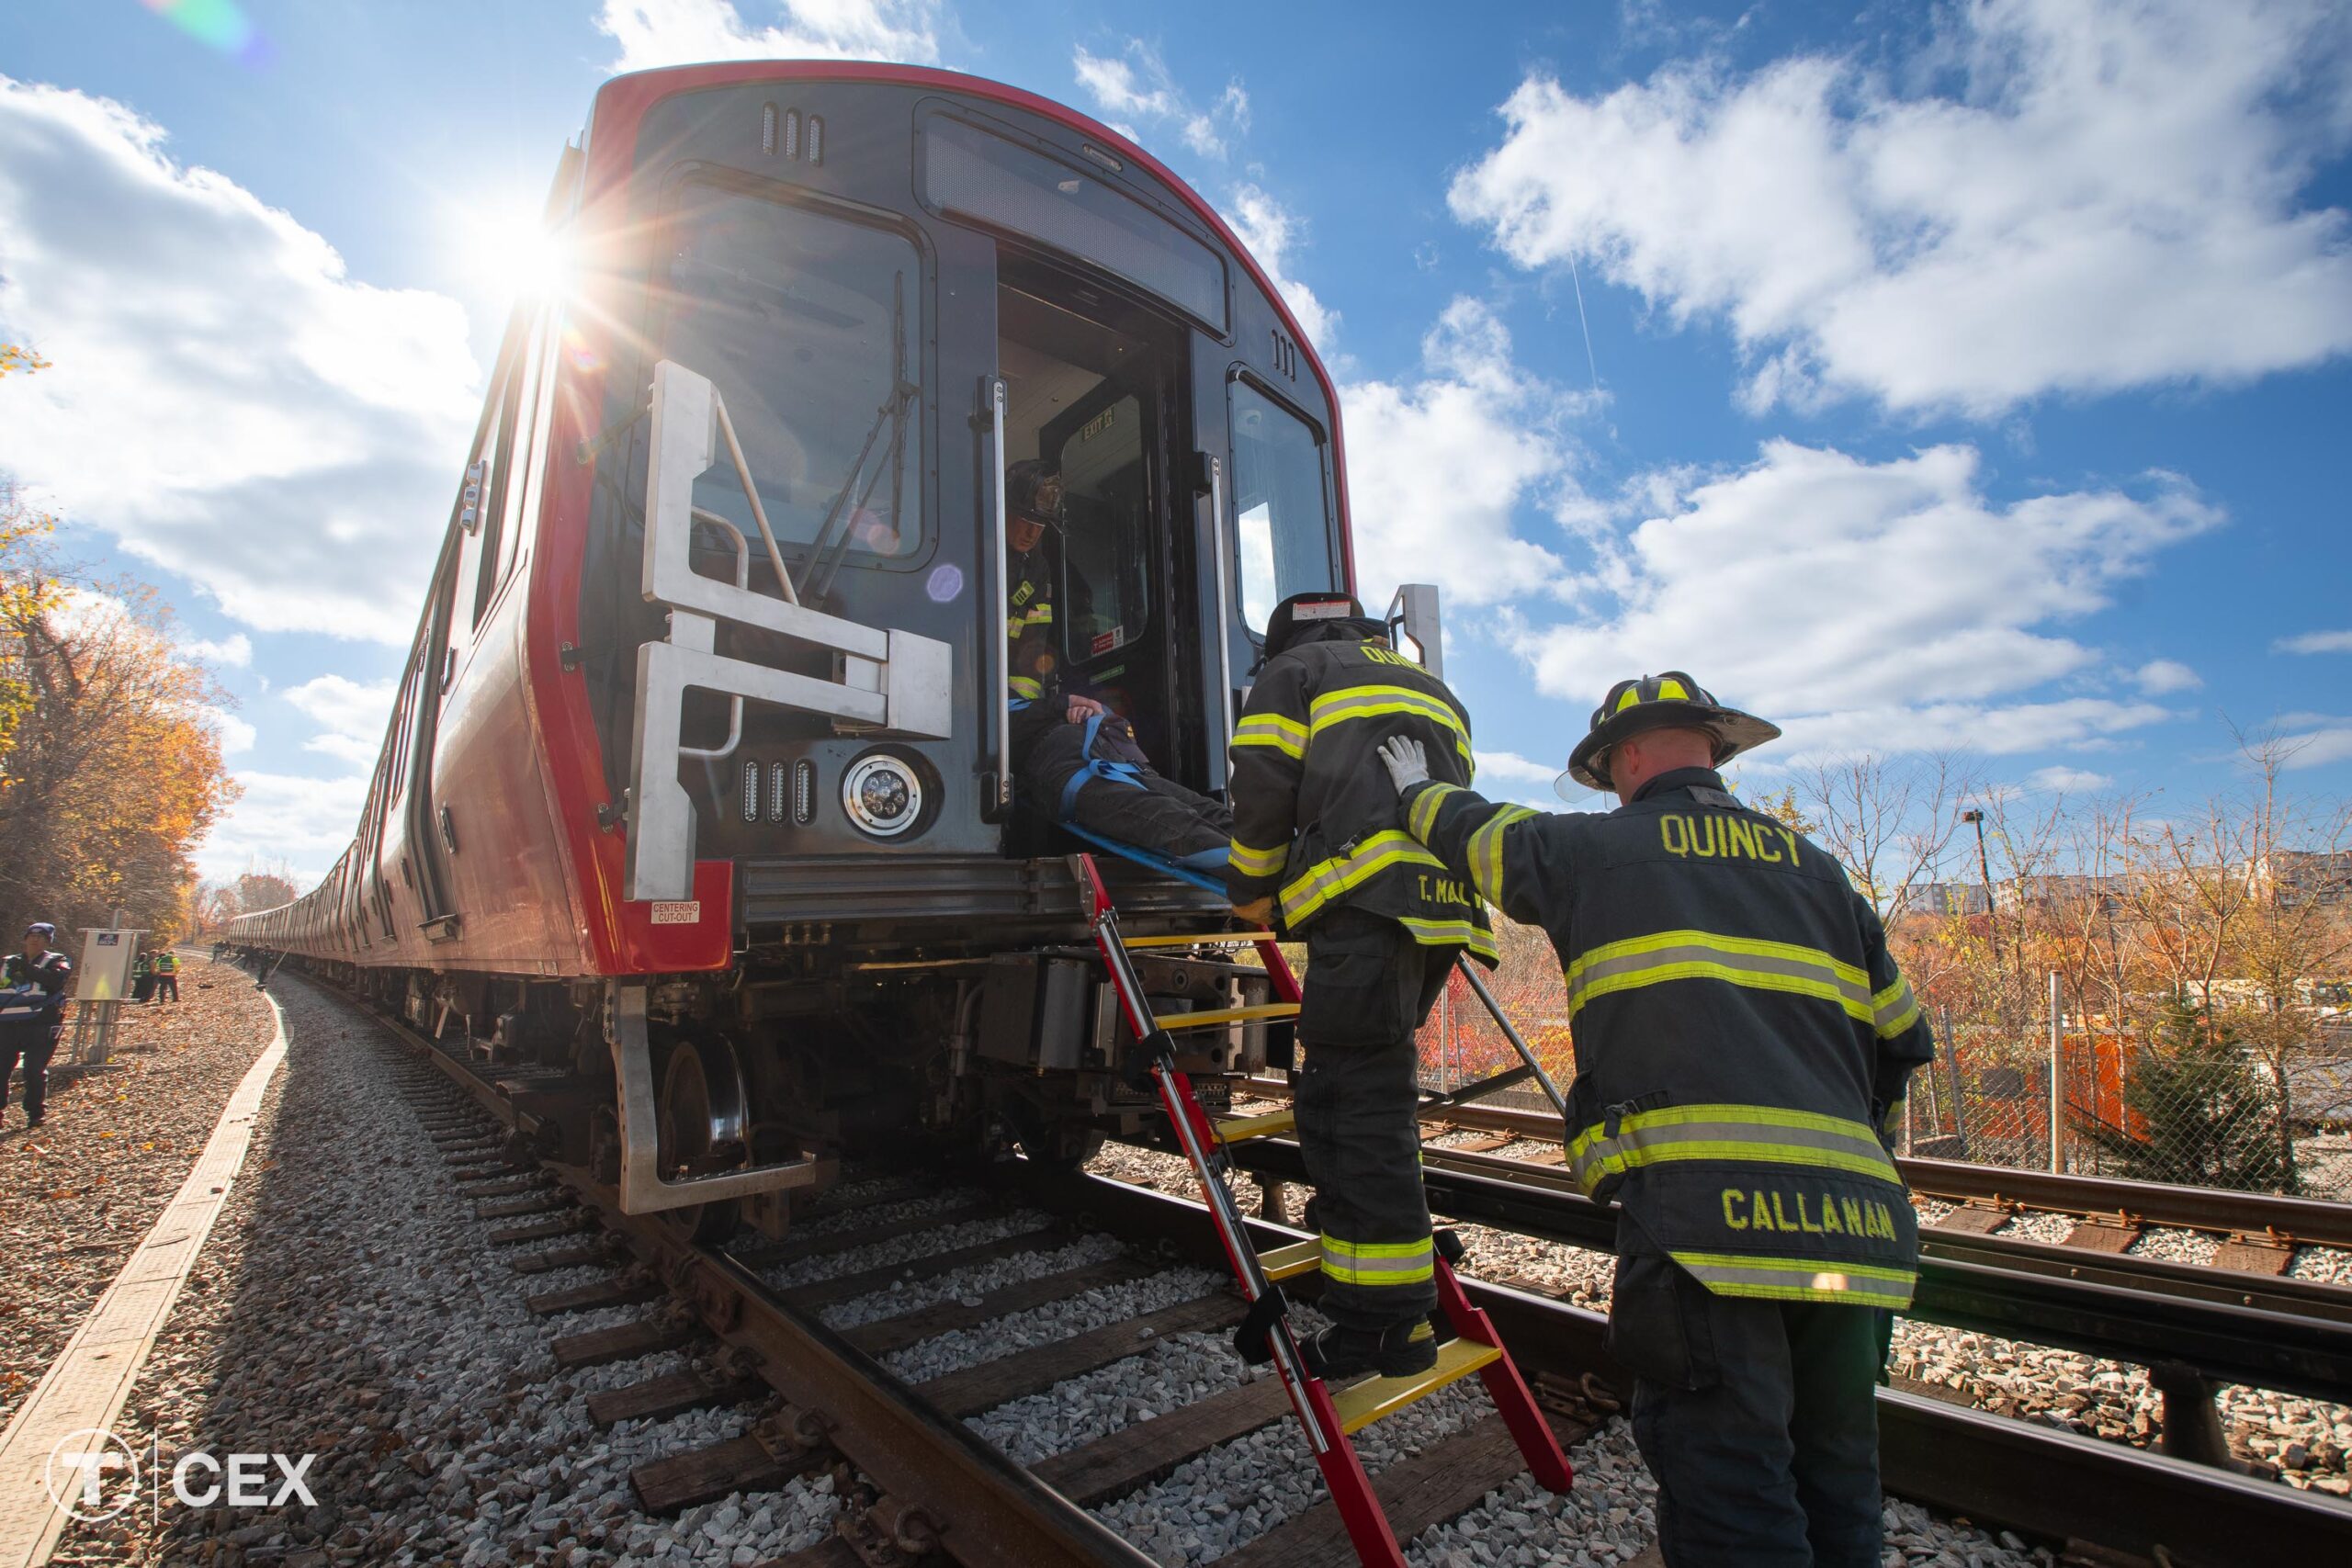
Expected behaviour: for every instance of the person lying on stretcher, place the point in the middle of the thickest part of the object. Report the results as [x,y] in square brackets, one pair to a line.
[1073,759]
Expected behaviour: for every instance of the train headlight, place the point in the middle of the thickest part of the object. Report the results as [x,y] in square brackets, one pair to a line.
[882,796]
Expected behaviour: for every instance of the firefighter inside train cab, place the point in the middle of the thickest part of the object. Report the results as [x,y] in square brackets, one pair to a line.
[1318,836]
[1742,1043]
[1073,759]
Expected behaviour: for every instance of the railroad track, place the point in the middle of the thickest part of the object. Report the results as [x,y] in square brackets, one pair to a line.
[2259,1232]
[925,1482]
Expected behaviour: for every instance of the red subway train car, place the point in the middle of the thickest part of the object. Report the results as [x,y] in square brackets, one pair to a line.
[695,813]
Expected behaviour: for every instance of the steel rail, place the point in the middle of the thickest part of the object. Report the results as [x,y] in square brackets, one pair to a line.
[2316,1222]
[988,1512]
[2293,1336]
[1992,1469]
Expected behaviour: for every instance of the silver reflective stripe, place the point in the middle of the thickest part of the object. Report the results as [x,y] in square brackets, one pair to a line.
[1858,997]
[1749,1142]
[1804,1281]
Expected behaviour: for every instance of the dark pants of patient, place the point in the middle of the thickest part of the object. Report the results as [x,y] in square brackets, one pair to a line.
[1142,809]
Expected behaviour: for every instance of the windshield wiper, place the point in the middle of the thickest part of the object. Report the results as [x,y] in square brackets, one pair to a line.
[892,412]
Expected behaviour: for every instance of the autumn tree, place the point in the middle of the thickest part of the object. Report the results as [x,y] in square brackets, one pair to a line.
[113,770]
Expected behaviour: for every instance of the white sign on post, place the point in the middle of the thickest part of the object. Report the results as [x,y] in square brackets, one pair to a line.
[108,956]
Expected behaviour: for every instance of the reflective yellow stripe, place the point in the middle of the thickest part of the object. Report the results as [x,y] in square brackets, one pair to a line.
[1450,933]
[1633,695]
[1326,880]
[1284,735]
[1894,1010]
[1487,851]
[1422,818]
[1022,686]
[1256,863]
[1671,688]
[1378,1263]
[1799,1279]
[1709,955]
[1336,708]
[1756,1134]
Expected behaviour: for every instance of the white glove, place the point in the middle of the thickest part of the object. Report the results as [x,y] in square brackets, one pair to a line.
[1408,765]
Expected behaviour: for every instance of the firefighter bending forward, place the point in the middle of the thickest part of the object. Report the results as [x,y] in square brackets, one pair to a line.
[1742,1039]
[1318,829]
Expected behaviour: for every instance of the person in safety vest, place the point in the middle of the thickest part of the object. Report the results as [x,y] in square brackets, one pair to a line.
[32,1015]
[1073,759]
[167,976]
[1742,1042]
[1318,840]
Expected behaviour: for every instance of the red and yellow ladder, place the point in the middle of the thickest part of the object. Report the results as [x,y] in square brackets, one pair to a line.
[1329,1417]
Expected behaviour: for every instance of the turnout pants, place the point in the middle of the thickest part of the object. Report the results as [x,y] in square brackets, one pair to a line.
[33,1047]
[167,986]
[1368,986]
[1758,1418]
[1150,813]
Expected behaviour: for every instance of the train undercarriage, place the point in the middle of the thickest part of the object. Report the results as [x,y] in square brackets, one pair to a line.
[733,1097]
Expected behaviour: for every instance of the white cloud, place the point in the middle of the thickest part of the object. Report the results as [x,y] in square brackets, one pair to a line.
[2159,676]
[1270,230]
[1438,465]
[2060,780]
[351,716]
[1866,606]
[235,650]
[2102,194]
[225,400]
[235,734]
[1516,769]
[653,33]
[305,822]
[2316,642]
[1134,86]
[2315,739]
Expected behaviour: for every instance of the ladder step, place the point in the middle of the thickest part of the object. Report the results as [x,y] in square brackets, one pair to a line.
[1289,1262]
[1274,1124]
[1226,1015]
[1202,939]
[1367,1402]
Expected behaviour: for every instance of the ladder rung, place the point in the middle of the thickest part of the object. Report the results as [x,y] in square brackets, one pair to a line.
[1273,1124]
[1226,1015]
[1367,1402]
[1202,939]
[1289,1262]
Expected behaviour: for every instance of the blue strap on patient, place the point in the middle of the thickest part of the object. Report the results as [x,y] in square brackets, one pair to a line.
[1093,768]
[1204,870]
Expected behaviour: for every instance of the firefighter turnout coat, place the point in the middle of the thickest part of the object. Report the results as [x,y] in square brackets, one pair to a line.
[1742,1036]
[1316,822]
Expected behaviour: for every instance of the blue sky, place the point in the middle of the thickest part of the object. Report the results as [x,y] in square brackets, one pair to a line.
[1974,377]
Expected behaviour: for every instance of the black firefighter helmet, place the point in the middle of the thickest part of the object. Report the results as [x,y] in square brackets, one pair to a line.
[1671,701]
[1302,611]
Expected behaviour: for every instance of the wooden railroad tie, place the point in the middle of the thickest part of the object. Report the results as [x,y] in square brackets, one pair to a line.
[672,1393]
[623,1342]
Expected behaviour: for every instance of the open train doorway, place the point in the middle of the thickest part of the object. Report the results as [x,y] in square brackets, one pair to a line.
[1091,387]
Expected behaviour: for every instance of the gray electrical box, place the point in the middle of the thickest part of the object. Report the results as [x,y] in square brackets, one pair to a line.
[1033,1010]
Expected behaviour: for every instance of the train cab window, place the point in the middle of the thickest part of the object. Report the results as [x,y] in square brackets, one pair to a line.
[1107,528]
[1281,515]
[809,325]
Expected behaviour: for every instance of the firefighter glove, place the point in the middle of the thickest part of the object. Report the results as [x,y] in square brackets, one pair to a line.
[1408,765]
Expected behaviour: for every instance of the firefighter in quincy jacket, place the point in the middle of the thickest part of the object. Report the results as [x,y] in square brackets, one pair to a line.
[1742,1039]
[1317,829]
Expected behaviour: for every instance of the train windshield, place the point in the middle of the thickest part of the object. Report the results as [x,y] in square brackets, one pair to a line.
[1278,504]
[807,325]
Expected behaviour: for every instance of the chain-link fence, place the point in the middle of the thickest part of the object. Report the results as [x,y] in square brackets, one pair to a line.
[2174,1099]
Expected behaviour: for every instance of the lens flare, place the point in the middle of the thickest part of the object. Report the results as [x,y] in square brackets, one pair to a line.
[223,24]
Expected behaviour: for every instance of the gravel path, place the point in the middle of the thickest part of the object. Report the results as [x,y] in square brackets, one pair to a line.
[78,1195]
[349,1305]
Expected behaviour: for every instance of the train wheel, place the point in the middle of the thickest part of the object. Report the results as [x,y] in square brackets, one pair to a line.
[703,1127]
